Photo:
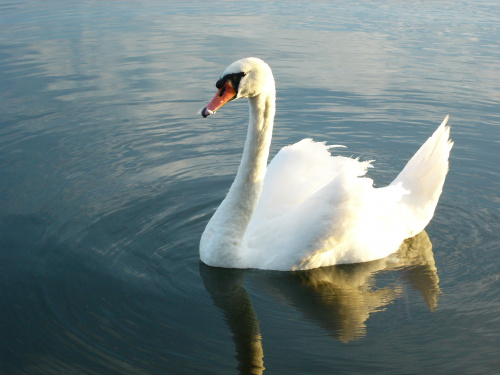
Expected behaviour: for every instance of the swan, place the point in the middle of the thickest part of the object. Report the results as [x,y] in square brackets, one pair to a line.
[307,208]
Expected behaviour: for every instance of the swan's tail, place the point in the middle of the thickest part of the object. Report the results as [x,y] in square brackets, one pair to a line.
[424,176]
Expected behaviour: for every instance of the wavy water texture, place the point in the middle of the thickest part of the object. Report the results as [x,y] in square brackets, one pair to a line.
[108,176]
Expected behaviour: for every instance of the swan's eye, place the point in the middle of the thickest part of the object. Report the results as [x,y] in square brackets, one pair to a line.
[237,78]
[233,79]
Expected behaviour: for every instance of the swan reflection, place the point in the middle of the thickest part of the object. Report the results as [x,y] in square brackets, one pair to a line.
[338,298]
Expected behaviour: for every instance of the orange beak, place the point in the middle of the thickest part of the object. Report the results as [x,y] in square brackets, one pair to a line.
[225,94]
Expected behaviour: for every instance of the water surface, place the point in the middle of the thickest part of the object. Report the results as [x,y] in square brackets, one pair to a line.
[108,175]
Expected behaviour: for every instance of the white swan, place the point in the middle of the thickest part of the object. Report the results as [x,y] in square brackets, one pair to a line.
[308,209]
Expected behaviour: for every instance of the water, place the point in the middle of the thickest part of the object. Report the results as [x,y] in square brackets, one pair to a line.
[109,175]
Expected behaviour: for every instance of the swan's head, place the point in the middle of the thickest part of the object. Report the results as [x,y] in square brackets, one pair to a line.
[245,78]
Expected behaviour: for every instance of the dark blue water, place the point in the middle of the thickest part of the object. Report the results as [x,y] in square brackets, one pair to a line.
[108,176]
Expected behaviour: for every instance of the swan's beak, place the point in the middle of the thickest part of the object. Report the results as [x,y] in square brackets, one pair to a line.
[225,94]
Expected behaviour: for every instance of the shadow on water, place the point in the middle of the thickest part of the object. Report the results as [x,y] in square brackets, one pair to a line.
[339,299]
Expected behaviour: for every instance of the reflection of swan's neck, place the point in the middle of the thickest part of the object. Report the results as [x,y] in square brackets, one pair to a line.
[231,219]
[229,294]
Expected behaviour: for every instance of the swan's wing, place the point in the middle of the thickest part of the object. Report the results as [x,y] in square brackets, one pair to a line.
[298,171]
[345,221]
[307,194]
[318,210]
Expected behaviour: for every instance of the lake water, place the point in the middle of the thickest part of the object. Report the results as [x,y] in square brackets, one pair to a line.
[108,175]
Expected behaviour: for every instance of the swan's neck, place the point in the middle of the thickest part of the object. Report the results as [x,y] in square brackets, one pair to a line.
[222,240]
[256,152]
